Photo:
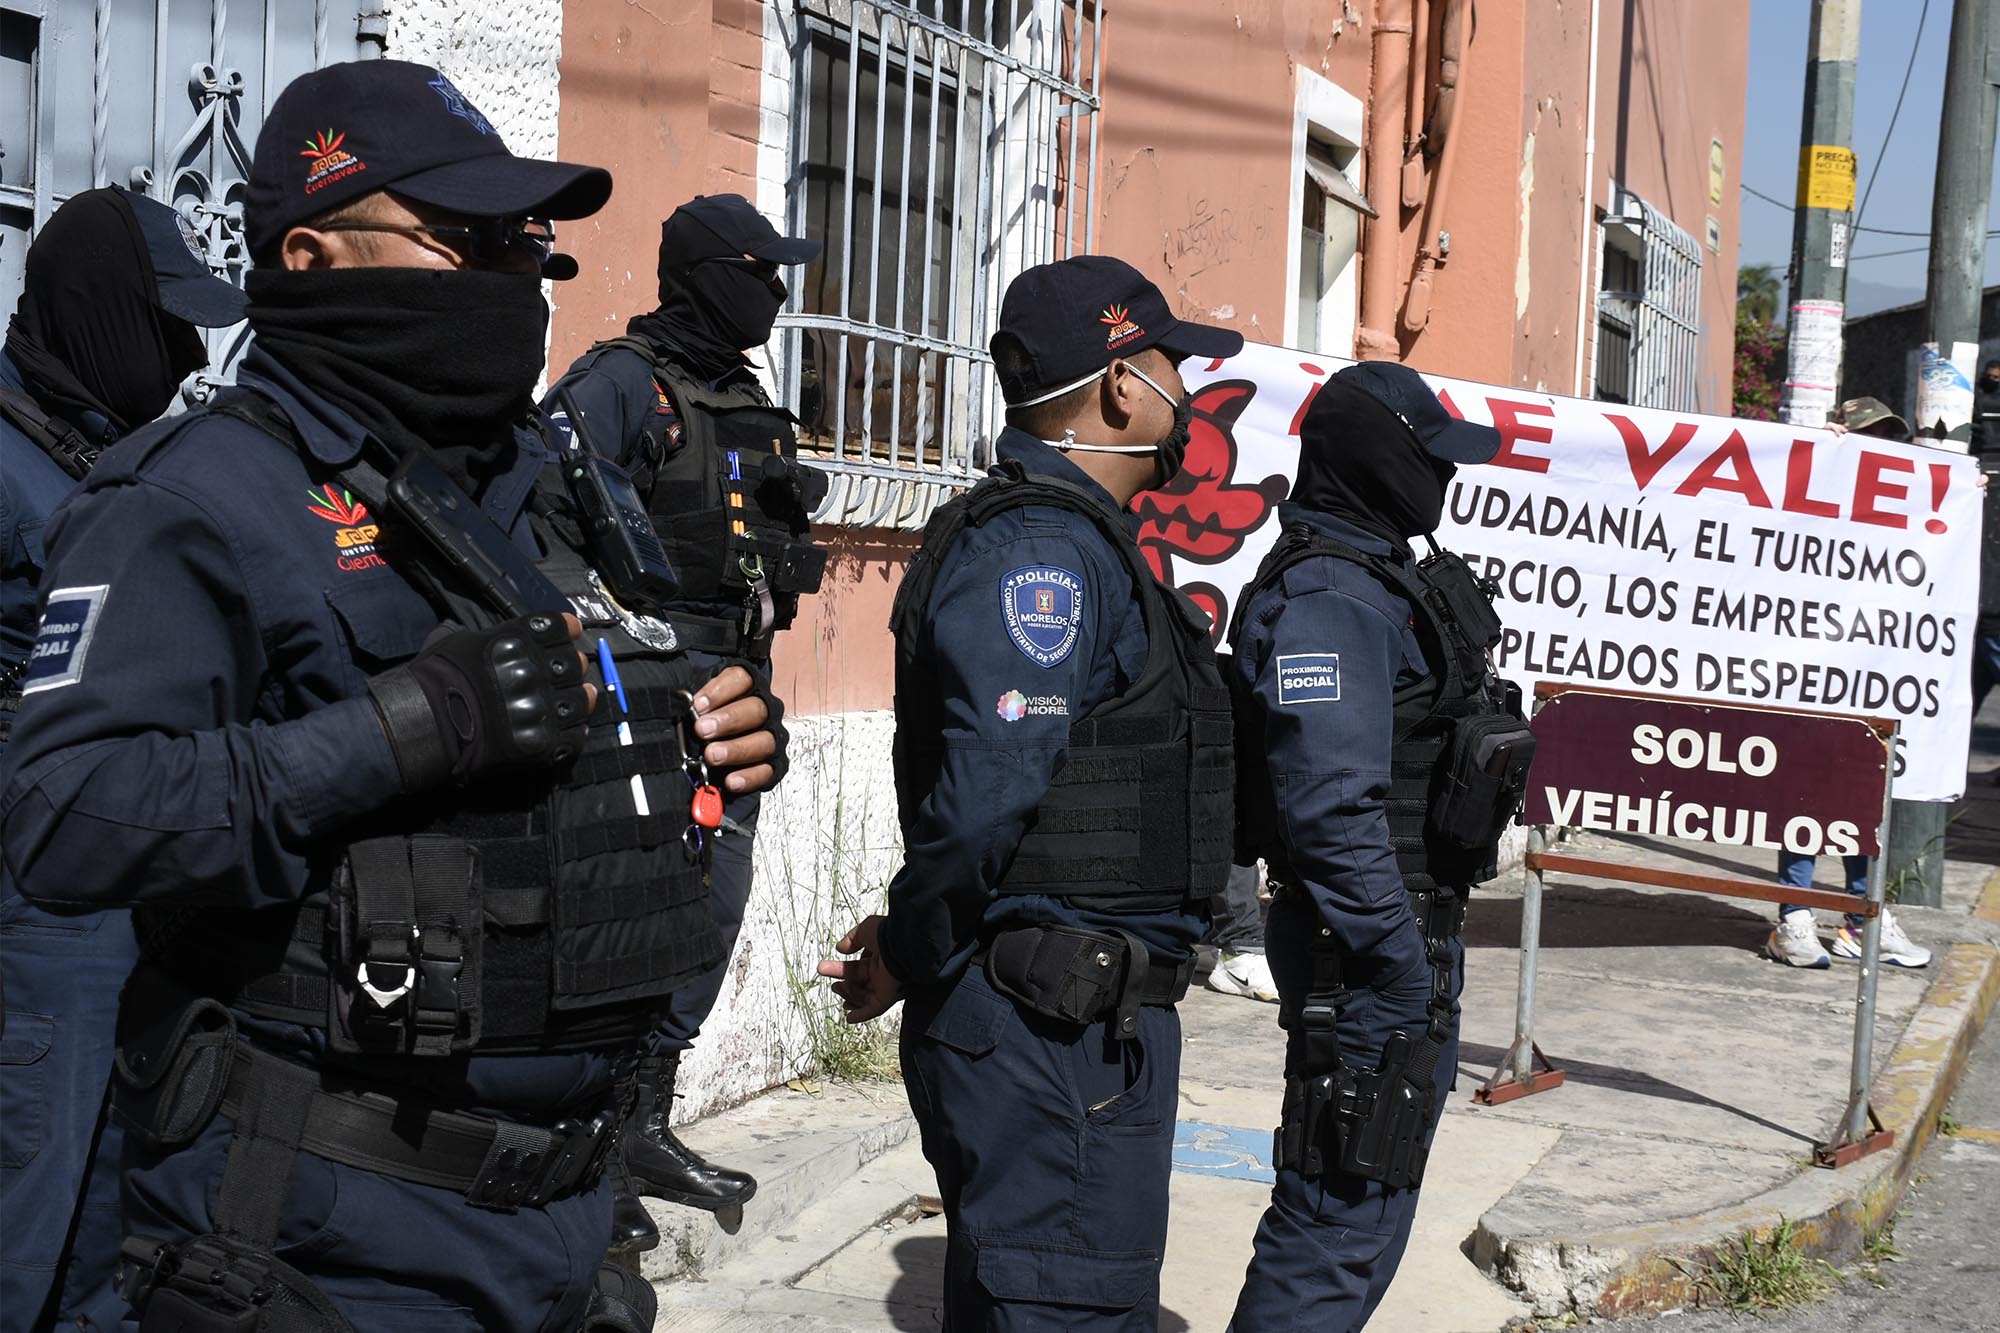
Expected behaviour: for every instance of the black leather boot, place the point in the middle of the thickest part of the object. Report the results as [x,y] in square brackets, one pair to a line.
[632,1228]
[661,1166]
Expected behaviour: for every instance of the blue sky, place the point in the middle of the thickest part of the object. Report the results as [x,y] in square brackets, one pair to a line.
[1902,195]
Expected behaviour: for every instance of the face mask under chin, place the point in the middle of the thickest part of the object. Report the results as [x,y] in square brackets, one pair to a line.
[1173,449]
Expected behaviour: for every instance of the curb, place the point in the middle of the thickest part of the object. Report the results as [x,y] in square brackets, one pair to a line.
[799,1146]
[1658,1265]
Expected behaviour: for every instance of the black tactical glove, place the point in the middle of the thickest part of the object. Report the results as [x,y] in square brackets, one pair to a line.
[760,685]
[478,701]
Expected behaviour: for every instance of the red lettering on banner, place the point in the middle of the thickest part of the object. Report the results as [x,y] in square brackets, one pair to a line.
[1742,478]
[1507,420]
[1870,486]
[1299,417]
[1798,479]
[1647,461]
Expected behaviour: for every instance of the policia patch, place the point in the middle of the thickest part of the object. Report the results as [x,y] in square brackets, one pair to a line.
[1043,607]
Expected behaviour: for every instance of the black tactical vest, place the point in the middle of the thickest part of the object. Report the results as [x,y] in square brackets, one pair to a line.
[1462,698]
[529,912]
[733,505]
[1139,818]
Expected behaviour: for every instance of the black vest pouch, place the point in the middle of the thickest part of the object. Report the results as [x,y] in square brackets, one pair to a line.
[174,1055]
[1481,780]
[404,929]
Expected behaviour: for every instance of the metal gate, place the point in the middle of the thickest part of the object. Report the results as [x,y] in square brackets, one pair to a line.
[1665,327]
[938,148]
[162,96]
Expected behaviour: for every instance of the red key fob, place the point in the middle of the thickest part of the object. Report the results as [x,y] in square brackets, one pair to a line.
[706,808]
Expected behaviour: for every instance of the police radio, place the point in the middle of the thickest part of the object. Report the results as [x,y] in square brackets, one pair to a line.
[616,527]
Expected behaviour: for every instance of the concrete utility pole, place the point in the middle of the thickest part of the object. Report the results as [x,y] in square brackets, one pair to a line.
[1951,318]
[1820,222]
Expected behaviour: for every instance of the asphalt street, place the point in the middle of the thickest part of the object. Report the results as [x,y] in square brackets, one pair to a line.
[1947,1235]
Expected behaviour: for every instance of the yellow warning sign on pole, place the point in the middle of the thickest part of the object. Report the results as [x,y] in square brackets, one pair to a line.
[1826,177]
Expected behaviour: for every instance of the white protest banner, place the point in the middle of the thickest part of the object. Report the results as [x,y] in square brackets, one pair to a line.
[1743,561]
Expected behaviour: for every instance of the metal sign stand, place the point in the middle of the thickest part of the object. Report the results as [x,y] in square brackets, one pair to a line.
[1517,1075]
[1860,1131]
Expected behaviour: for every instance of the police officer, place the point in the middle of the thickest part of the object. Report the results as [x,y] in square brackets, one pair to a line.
[1365,694]
[107,326]
[307,693]
[1064,776]
[677,403]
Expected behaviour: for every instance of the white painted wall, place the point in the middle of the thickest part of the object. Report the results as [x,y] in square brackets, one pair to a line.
[503,57]
[827,843]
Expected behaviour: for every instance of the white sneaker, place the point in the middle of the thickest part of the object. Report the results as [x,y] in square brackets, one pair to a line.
[1795,942]
[1247,974]
[1898,949]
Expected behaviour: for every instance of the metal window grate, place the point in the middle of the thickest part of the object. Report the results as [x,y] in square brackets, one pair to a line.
[938,148]
[1666,317]
[167,96]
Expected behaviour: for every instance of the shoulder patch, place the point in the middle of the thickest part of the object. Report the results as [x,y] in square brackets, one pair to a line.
[1308,678]
[1043,608]
[69,618]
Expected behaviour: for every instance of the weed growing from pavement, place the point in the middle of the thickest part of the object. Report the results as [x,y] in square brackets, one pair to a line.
[1947,1122]
[835,1049]
[1767,1271]
[1878,1247]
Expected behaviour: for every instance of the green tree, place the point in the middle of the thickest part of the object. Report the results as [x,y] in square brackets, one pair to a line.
[1760,367]
[1757,288]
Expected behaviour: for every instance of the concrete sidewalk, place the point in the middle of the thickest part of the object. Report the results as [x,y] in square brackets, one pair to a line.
[1699,1077]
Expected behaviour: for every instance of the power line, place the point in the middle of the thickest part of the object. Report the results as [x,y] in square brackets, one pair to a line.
[1913,250]
[1872,231]
[1890,132]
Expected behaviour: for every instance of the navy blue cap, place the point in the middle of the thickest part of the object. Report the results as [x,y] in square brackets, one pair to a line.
[350,129]
[736,226]
[1074,317]
[1404,392]
[187,290]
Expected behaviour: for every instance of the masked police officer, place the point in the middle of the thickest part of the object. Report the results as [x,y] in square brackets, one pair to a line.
[1382,758]
[308,693]
[107,326]
[1064,776]
[677,404]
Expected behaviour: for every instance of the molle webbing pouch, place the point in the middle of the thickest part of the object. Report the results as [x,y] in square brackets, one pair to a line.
[405,928]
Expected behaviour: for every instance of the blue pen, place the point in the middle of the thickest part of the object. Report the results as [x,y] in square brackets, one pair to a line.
[609,669]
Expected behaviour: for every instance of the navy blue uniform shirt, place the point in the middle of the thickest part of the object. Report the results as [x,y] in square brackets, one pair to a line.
[31,486]
[196,725]
[1328,746]
[1007,716]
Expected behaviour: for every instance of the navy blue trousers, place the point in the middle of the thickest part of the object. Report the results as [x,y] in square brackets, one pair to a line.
[62,976]
[730,871]
[1326,1249]
[1052,1145]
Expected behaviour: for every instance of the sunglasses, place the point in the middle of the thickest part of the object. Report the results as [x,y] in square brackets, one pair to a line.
[483,243]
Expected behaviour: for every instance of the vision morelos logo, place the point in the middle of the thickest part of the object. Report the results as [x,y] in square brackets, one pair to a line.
[354,536]
[1014,705]
[1123,330]
[330,162]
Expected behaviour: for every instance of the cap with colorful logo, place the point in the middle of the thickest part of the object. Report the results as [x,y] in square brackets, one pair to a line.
[350,129]
[1074,317]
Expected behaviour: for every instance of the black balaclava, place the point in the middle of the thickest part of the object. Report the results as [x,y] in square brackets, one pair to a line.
[1360,462]
[439,360]
[708,312]
[88,334]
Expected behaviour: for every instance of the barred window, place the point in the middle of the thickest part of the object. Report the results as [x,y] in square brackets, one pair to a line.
[938,149]
[1649,308]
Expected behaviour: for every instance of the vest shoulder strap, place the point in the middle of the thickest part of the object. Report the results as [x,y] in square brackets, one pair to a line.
[58,439]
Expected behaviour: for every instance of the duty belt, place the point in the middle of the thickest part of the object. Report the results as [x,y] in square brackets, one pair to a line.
[496,1164]
[1080,976]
